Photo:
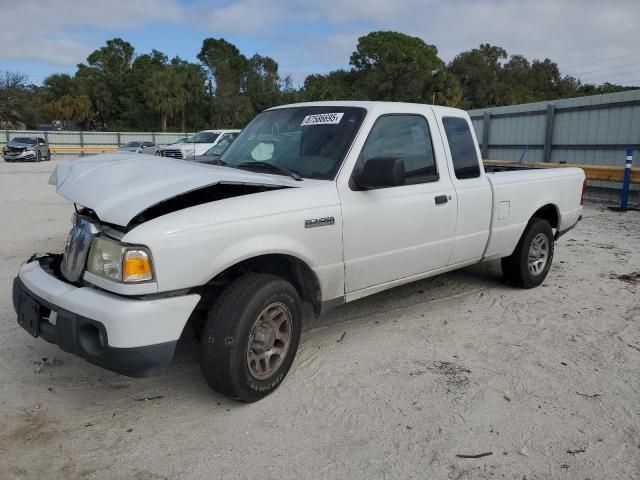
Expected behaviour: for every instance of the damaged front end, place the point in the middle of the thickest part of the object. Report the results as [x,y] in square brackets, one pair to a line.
[124,191]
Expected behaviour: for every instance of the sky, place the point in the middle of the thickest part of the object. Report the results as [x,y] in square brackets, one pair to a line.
[594,40]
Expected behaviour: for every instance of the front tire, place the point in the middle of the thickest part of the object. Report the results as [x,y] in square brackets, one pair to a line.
[251,337]
[530,262]
[38,156]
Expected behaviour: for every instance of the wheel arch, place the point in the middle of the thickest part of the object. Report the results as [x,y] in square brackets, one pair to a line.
[286,266]
[548,212]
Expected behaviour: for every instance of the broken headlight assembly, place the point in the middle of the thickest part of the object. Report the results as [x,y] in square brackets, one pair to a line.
[119,262]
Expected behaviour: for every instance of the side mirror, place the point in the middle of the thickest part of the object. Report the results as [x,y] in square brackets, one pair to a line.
[380,172]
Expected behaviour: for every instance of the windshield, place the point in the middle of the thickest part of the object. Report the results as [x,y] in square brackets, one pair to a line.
[309,141]
[221,146]
[203,137]
[133,144]
[28,141]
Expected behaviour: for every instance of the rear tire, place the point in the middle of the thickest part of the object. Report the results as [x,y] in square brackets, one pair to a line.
[530,262]
[251,337]
[48,157]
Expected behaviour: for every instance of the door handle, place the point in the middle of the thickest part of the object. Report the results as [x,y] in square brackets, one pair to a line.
[440,199]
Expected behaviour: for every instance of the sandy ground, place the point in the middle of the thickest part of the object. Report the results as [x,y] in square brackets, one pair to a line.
[393,386]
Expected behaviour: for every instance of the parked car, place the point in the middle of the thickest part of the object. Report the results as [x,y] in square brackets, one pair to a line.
[317,203]
[34,149]
[212,156]
[139,146]
[180,140]
[197,144]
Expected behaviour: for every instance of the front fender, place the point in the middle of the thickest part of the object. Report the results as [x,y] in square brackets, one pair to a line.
[192,246]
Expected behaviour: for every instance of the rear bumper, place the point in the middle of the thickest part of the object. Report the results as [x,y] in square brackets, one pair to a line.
[134,337]
[560,233]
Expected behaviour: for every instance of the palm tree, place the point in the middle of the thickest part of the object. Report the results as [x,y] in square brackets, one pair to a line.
[70,108]
[163,94]
[191,81]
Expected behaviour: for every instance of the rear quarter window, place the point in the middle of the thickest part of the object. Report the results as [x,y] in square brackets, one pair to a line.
[463,149]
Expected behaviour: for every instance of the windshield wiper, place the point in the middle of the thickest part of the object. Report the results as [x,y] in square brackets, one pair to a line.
[272,167]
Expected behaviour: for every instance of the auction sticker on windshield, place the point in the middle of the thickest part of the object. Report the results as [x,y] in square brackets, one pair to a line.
[322,119]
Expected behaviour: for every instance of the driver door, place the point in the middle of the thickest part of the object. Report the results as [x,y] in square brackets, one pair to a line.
[403,231]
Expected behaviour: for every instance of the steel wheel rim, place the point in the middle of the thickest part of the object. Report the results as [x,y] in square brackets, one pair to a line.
[538,254]
[269,341]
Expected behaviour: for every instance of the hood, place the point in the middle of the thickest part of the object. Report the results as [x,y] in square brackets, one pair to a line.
[19,144]
[117,187]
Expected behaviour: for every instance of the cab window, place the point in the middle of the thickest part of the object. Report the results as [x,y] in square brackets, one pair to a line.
[406,137]
[463,148]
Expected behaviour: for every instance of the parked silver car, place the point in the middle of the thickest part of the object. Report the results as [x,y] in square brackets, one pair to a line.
[140,146]
[33,149]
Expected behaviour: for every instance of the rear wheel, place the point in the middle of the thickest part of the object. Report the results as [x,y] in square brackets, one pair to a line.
[251,336]
[48,157]
[530,262]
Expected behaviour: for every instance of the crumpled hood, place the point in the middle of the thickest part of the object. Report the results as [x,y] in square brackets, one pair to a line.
[119,186]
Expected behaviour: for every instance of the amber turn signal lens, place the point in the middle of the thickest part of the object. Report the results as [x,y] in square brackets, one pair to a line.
[137,266]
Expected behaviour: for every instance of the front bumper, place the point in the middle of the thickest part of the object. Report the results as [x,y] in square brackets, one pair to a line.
[134,337]
[26,155]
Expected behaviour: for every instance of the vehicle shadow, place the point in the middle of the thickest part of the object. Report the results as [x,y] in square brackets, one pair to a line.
[183,380]
[468,281]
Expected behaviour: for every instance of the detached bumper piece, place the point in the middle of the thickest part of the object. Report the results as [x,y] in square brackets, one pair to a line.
[85,337]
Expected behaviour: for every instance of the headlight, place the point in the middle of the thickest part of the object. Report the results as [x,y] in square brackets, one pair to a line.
[188,154]
[30,149]
[116,261]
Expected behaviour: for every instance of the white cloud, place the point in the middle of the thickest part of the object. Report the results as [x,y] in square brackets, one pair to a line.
[308,36]
[47,31]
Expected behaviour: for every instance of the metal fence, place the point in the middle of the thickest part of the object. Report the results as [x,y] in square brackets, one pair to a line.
[593,130]
[74,143]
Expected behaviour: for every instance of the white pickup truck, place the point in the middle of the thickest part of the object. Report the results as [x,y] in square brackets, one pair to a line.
[198,144]
[319,203]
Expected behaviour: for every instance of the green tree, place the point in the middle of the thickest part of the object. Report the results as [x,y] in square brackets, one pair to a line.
[479,72]
[262,82]
[394,66]
[227,68]
[59,85]
[70,109]
[336,85]
[162,94]
[190,81]
[104,78]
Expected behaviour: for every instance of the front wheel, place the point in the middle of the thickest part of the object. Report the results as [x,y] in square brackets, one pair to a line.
[38,156]
[530,262]
[251,336]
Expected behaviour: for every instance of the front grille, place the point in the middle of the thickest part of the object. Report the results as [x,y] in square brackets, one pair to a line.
[77,248]
[16,149]
[173,153]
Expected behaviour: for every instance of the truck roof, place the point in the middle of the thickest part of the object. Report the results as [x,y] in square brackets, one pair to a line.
[385,107]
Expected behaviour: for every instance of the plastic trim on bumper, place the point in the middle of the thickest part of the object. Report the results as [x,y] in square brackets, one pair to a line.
[88,338]
[566,230]
[129,322]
